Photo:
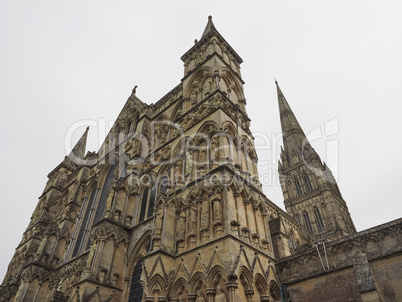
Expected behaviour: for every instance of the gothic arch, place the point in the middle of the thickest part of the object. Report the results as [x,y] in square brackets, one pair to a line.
[178,286]
[260,284]
[156,285]
[195,281]
[231,82]
[245,277]
[139,250]
[217,273]
[178,110]
[198,79]
[274,291]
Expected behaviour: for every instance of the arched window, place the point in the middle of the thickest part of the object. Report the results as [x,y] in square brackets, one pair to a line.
[136,290]
[320,224]
[100,211]
[164,183]
[143,204]
[152,199]
[308,183]
[83,223]
[298,188]
[148,201]
[307,222]
[291,241]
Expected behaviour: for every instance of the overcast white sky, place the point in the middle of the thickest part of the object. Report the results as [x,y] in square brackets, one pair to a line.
[63,62]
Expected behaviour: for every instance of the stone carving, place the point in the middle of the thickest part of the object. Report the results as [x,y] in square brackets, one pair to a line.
[200,57]
[207,87]
[200,297]
[189,163]
[158,224]
[110,198]
[220,296]
[181,227]
[193,221]
[202,156]
[204,215]
[217,212]
[361,267]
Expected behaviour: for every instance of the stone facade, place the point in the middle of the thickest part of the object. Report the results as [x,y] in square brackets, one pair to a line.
[171,209]
[366,266]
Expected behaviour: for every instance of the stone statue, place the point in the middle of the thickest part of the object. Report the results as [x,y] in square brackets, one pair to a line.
[217,212]
[202,157]
[220,296]
[193,221]
[207,87]
[215,149]
[181,226]
[178,170]
[158,223]
[205,215]
[200,297]
[110,199]
[189,163]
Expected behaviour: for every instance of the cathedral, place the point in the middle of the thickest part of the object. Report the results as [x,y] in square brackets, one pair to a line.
[171,208]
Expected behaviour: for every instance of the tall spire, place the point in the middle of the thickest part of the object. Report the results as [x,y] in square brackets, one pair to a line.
[294,138]
[78,152]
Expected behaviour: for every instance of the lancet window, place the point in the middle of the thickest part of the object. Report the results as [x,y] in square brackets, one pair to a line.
[298,187]
[148,201]
[307,222]
[136,290]
[318,219]
[308,183]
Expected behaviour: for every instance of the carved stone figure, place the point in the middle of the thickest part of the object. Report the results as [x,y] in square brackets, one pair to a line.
[158,223]
[193,221]
[215,149]
[220,296]
[202,156]
[110,197]
[217,212]
[181,226]
[200,297]
[189,163]
[207,87]
[205,215]
[178,171]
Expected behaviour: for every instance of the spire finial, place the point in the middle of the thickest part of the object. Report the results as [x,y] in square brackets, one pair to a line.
[210,27]
[276,82]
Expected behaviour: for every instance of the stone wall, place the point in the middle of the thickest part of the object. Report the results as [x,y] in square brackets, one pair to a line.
[362,267]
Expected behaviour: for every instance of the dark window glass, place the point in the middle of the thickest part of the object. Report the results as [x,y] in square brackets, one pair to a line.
[152,200]
[136,290]
[164,184]
[308,183]
[298,188]
[84,222]
[307,222]
[143,205]
[100,211]
[320,223]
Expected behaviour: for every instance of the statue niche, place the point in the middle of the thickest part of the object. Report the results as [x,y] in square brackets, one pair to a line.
[217,211]
[158,228]
[192,226]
